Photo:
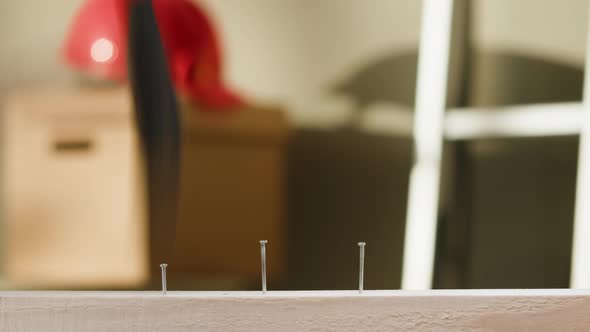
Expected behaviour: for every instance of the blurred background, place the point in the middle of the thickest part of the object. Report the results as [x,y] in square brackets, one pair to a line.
[314,157]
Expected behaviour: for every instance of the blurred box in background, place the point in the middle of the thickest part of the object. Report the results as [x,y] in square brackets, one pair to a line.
[72,218]
[73,207]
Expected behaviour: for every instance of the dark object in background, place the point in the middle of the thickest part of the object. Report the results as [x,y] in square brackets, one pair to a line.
[158,121]
[346,186]
[523,193]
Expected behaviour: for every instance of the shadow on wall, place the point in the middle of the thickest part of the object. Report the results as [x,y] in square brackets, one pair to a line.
[507,79]
[391,78]
[497,79]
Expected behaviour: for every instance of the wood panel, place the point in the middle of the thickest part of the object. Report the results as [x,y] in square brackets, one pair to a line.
[479,310]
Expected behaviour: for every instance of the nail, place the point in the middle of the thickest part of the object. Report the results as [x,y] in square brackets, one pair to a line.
[163,267]
[263,262]
[361,266]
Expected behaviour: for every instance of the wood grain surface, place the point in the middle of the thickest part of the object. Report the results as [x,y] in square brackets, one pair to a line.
[475,310]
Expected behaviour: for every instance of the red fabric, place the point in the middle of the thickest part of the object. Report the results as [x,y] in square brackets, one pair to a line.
[191,43]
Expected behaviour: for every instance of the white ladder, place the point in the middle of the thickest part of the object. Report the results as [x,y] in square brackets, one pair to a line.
[433,124]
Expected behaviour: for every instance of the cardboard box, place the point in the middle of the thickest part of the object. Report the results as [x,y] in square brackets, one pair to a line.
[74,215]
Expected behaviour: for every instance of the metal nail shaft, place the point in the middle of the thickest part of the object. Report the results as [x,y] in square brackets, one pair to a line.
[361,266]
[164,288]
[263,263]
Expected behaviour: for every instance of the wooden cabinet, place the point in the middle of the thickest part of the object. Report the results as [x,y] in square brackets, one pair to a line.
[232,192]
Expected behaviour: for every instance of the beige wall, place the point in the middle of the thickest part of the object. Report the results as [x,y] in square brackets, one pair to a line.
[30,36]
[284,51]
[292,51]
[528,51]
[550,29]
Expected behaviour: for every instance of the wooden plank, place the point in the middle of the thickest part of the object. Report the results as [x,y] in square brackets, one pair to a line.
[497,310]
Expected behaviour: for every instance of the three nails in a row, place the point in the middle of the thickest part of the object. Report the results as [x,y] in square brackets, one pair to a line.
[263,243]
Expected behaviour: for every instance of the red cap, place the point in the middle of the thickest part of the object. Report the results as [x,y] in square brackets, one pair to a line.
[97,44]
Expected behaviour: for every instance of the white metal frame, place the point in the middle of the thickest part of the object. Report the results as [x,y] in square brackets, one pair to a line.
[432,125]
[580,271]
[431,92]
